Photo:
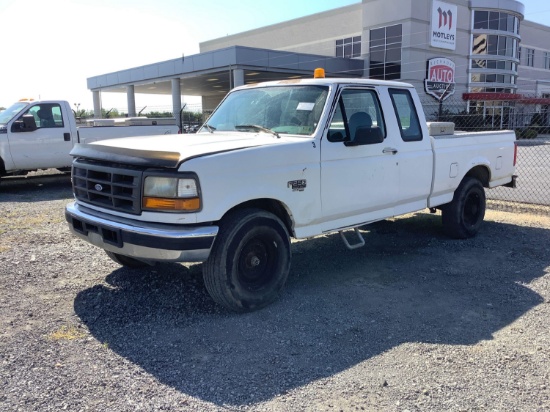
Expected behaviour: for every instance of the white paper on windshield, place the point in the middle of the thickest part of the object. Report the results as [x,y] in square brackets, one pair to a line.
[305,106]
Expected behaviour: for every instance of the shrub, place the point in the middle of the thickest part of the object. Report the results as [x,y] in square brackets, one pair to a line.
[529,133]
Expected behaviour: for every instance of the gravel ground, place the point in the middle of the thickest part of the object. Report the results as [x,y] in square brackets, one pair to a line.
[411,322]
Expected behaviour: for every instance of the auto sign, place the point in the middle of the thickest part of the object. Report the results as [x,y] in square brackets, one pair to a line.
[440,81]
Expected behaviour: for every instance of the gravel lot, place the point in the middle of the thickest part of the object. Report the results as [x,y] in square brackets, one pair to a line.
[411,322]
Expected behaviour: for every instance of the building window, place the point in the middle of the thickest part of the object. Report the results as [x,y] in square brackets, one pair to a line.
[349,47]
[494,45]
[494,64]
[494,20]
[547,60]
[530,57]
[492,78]
[385,53]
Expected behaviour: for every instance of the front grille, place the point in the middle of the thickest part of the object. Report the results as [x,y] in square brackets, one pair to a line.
[107,186]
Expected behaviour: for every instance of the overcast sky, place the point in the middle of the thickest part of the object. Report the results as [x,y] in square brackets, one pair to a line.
[49,48]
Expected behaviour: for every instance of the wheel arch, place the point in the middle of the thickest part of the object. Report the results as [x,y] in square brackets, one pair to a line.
[481,173]
[276,207]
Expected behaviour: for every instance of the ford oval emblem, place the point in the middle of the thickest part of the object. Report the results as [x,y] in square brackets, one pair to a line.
[98,187]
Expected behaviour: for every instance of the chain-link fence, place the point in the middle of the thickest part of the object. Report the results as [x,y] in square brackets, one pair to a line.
[529,117]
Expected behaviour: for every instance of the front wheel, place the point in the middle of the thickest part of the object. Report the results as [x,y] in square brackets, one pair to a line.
[249,262]
[462,217]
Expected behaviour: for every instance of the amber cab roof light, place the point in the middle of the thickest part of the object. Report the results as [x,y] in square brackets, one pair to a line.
[319,73]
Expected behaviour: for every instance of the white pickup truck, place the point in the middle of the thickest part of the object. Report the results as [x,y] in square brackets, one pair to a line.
[278,160]
[40,134]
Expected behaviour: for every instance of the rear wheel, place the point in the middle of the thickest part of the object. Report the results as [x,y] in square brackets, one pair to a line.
[126,260]
[249,262]
[463,217]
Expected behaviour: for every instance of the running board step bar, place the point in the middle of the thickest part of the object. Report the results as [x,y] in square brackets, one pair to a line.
[361,242]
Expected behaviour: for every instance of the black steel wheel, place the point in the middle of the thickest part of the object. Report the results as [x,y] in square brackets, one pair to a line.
[249,262]
[463,217]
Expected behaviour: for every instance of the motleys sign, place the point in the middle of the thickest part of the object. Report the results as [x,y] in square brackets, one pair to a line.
[443,30]
[440,78]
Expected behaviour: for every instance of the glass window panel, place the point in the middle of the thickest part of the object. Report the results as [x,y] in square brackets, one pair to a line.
[377,57]
[491,64]
[407,117]
[492,45]
[393,71]
[347,50]
[510,25]
[479,64]
[393,54]
[357,50]
[377,37]
[481,19]
[493,20]
[509,47]
[480,44]
[503,22]
[393,34]
[376,71]
[491,78]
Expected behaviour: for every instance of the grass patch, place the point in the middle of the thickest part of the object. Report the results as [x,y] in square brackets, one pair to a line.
[66,333]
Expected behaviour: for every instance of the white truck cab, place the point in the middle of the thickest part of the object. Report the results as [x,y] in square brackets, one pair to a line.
[40,134]
[279,160]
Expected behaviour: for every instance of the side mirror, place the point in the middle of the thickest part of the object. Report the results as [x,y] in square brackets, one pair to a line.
[24,124]
[366,135]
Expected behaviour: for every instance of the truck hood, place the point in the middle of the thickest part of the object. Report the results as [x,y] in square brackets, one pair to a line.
[171,150]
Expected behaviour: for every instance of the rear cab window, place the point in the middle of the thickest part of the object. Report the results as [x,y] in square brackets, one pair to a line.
[407,118]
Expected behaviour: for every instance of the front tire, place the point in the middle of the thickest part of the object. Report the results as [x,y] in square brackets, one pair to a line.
[463,217]
[249,262]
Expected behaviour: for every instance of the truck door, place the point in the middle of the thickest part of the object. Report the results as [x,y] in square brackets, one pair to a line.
[359,175]
[413,151]
[47,146]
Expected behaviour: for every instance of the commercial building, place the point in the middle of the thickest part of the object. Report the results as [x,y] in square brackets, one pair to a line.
[482,50]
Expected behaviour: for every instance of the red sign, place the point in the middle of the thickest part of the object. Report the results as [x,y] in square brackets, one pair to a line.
[440,81]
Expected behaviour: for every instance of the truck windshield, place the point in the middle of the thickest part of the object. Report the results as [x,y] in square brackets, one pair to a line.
[10,112]
[281,109]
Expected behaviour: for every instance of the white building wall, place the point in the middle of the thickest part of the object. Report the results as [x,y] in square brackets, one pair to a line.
[314,34]
[536,79]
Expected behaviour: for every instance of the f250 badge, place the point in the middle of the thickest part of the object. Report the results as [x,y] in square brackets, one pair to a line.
[297,185]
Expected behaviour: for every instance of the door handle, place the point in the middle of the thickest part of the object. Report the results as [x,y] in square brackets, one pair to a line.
[67,137]
[389,150]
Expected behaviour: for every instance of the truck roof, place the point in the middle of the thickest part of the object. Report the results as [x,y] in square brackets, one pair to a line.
[328,82]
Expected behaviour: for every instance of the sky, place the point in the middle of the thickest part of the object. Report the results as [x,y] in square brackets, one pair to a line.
[48,48]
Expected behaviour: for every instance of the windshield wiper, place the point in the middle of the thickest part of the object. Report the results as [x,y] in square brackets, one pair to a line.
[210,128]
[257,127]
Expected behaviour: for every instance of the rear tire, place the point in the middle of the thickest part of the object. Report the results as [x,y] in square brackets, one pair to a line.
[463,217]
[249,262]
[126,260]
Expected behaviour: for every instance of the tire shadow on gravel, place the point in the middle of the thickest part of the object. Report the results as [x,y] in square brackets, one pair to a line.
[340,308]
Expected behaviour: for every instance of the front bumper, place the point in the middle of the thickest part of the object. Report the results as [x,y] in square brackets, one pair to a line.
[145,241]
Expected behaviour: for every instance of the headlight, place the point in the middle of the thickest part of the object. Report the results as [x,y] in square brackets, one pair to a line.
[171,193]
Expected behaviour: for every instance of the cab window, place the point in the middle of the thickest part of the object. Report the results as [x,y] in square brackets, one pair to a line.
[47,115]
[407,117]
[356,109]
